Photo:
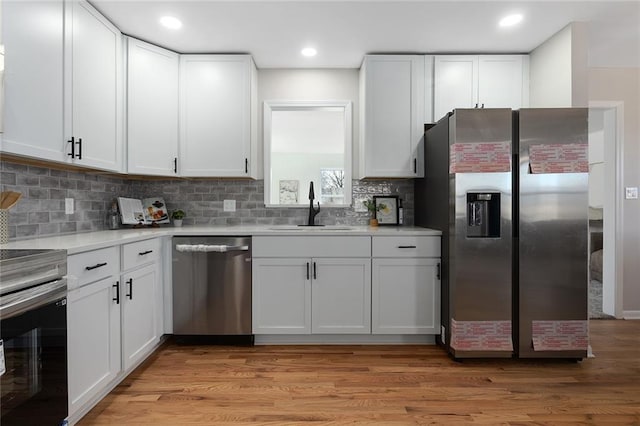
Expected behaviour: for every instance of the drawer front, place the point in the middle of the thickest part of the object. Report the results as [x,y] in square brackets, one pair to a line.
[406,246]
[140,253]
[312,246]
[91,266]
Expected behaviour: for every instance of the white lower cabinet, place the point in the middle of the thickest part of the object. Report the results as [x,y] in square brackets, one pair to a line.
[139,311]
[93,318]
[341,296]
[114,305]
[311,295]
[311,285]
[281,296]
[406,285]
[405,296]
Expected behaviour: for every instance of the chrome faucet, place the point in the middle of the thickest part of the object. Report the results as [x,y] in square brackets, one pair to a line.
[312,211]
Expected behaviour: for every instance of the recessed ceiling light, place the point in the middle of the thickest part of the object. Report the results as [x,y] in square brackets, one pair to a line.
[309,52]
[171,22]
[510,20]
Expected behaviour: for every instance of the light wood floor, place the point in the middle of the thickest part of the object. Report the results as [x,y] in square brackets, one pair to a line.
[287,385]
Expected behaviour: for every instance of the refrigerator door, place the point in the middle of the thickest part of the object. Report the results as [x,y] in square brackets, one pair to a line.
[553,228]
[480,238]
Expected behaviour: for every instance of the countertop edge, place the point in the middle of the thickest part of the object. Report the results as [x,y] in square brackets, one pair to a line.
[87,241]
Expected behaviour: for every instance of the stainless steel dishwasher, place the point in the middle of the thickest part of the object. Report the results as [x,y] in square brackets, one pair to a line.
[212,286]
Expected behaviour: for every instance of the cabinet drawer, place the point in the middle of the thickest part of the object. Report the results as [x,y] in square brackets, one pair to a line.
[140,253]
[406,246]
[91,266]
[306,246]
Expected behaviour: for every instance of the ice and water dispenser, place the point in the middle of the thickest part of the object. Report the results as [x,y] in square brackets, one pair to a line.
[483,214]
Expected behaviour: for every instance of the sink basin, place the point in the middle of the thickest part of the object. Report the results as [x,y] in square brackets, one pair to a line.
[311,228]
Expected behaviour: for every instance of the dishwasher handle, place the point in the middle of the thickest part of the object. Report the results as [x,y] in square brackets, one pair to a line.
[207,248]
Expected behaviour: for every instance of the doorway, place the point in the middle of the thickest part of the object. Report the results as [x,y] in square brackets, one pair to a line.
[605,146]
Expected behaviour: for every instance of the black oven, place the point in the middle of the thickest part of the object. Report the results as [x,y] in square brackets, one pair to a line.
[33,339]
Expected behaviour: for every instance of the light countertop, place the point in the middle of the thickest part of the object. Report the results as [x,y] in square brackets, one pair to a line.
[80,242]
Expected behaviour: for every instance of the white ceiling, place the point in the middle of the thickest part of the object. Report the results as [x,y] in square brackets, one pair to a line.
[274,32]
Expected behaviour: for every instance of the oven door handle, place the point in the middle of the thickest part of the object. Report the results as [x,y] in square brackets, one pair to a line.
[207,248]
[20,302]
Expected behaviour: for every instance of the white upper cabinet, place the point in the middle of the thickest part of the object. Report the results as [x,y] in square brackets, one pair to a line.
[217,116]
[33,79]
[492,81]
[94,75]
[62,81]
[152,109]
[392,112]
[502,81]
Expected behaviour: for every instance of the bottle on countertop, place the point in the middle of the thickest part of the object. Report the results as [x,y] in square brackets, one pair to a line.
[400,212]
[113,217]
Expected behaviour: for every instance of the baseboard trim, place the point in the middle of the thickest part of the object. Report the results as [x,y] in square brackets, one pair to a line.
[344,339]
[631,315]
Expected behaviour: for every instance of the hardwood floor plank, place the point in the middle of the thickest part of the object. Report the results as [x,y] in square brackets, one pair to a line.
[384,385]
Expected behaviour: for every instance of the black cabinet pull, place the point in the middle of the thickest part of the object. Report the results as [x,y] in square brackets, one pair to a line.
[438,272]
[117,298]
[406,246]
[415,165]
[246,165]
[482,106]
[315,275]
[307,270]
[175,164]
[96,266]
[72,154]
[130,282]
[79,156]
[476,105]
[142,253]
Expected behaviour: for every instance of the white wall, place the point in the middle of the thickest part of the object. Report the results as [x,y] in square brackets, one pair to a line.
[596,161]
[558,69]
[308,84]
[623,85]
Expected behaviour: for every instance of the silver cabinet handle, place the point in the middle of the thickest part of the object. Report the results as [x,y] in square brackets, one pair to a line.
[205,248]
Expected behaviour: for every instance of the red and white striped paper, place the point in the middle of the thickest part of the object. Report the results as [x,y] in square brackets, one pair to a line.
[559,158]
[480,157]
[481,335]
[560,335]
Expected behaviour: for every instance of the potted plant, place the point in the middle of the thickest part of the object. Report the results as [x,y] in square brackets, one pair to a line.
[373,208]
[177,217]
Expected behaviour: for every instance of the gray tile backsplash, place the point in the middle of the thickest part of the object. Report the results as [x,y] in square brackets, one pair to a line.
[202,201]
[40,212]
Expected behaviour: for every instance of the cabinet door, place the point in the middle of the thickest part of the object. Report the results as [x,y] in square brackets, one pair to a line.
[95,76]
[215,117]
[93,324]
[281,296]
[500,81]
[152,109]
[392,121]
[33,79]
[456,84]
[405,296]
[139,300]
[341,296]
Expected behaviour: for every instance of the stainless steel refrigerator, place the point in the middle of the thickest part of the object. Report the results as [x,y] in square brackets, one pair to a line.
[508,190]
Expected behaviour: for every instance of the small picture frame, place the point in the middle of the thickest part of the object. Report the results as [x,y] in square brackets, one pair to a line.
[388,215]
